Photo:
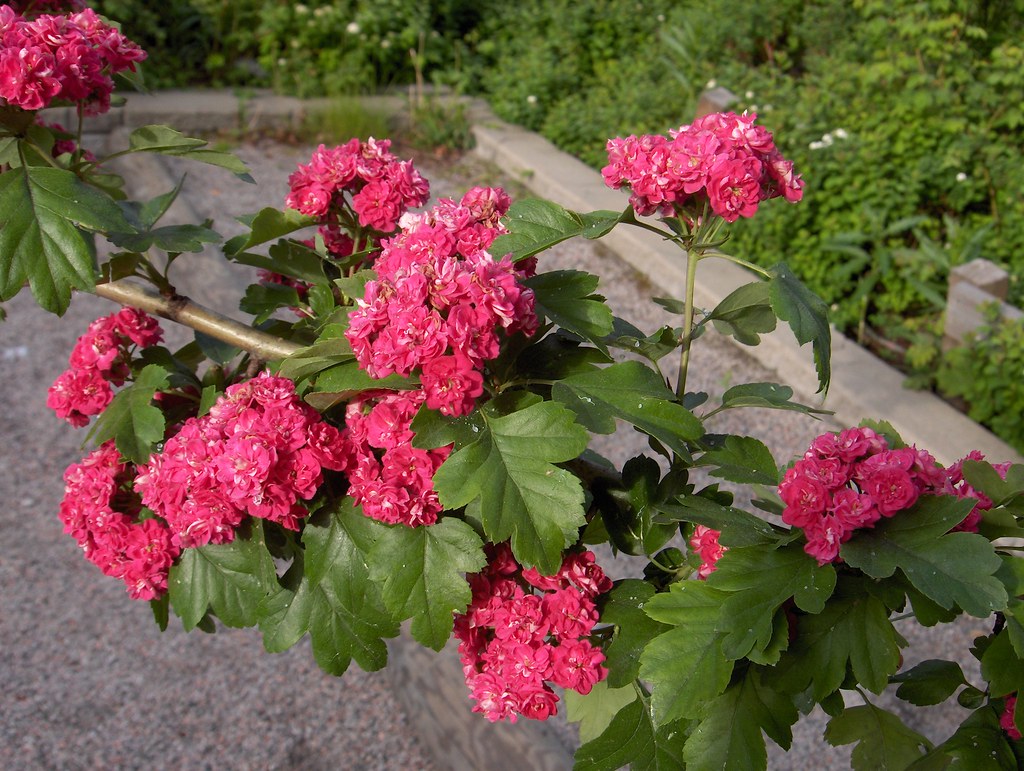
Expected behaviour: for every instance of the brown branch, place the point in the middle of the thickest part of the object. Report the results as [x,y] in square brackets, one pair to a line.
[183,311]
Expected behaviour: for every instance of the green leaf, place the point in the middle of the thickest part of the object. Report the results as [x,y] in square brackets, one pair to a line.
[566,297]
[284,614]
[729,735]
[422,570]
[761,579]
[289,258]
[738,527]
[685,666]
[883,742]
[952,569]
[166,141]
[979,742]
[745,313]
[768,395]
[853,632]
[263,300]
[336,601]
[632,392]
[230,579]
[132,420]
[536,225]
[985,479]
[653,347]
[557,356]
[170,238]
[930,682]
[1002,667]
[807,315]
[633,739]
[434,430]
[508,477]
[267,225]
[594,711]
[348,378]
[215,349]
[742,459]
[41,211]
[634,629]
[323,354]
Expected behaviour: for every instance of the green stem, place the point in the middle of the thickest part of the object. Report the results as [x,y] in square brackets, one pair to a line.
[692,258]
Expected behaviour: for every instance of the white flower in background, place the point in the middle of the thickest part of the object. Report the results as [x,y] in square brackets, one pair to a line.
[301,9]
[748,95]
[531,99]
[661,17]
[840,134]
[711,84]
[352,28]
[816,145]
[323,10]
[961,177]
[767,108]
[385,43]
[752,108]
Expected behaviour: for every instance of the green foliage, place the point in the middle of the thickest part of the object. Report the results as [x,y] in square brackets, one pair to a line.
[954,570]
[43,212]
[985,373]
[883,741]
[439,127]
[341,118]
[511,486]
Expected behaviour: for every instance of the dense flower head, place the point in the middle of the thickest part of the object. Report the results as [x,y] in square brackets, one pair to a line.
[98,361]
[722,158]
[100,511]
[705,545]
[363,176]
[440,301]
[851,480]
[61,57]
[259,451]
[389,478]
[515,643]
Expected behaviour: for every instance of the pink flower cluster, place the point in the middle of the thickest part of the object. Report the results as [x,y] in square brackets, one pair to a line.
[850,480]
[958,486]
[365,176]
[705,545]
[100,512]
[722,158]
[441,299]
[1006,718]
[100,359]
[68,58]
[258,451]
[388,477]
[514,642]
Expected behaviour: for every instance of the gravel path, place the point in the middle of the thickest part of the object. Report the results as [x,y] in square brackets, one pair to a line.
[90,681]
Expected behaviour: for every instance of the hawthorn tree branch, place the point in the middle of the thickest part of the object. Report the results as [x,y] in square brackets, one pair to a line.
[183,311]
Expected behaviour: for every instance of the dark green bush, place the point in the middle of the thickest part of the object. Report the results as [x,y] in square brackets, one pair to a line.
[191,42]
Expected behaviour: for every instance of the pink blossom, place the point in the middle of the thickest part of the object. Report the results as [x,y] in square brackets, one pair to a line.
[513,642]
[1006,721]
[704,543]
